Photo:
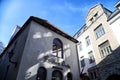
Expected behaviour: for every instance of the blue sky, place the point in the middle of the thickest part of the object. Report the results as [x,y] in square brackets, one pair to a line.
[67,15]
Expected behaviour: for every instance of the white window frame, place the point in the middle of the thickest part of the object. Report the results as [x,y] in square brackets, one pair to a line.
[99,31]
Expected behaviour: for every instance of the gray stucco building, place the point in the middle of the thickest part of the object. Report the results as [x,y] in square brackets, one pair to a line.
[40,51]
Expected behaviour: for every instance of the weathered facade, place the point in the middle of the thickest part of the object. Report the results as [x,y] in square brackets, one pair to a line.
[40,51]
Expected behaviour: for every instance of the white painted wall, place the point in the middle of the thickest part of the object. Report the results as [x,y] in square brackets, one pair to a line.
[85,50]
[115,25]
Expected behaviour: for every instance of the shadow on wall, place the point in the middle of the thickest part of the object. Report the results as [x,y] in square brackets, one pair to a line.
[109,67]
[111,58]
[46,73]
[85,64]
[39,74]
[44,55]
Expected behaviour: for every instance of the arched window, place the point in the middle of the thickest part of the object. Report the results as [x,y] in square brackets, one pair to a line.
[41,74]
[57,75]
[69,76]
[57,48]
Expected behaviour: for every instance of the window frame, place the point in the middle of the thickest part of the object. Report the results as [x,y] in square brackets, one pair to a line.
[69,76]
[58,51]
[82,61]
[99,31]
[105,49]
[54,76]
[43,74]
[91,57]
[87,40]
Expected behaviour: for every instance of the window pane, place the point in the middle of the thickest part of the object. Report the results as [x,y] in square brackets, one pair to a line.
[99,31]
[110,49]
[41,74]
[57,48]
[87,39]
[91,57]
[105,49]
[82,63]
[102,53]
[57,75]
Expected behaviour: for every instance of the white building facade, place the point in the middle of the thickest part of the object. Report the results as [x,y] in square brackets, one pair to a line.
[98,39]
[114,21]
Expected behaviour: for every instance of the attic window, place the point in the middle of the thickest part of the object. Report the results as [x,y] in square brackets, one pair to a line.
[96,15]
[91,20]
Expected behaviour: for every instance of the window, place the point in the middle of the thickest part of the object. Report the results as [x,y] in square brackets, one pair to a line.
[69,76]
[91,57]
[41,74]
[96,16]
[80,46]
[82,62]
[57,48]
[57,75]
[105,49]
[99,31]
[93,75]
[87,39]
[92,20]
